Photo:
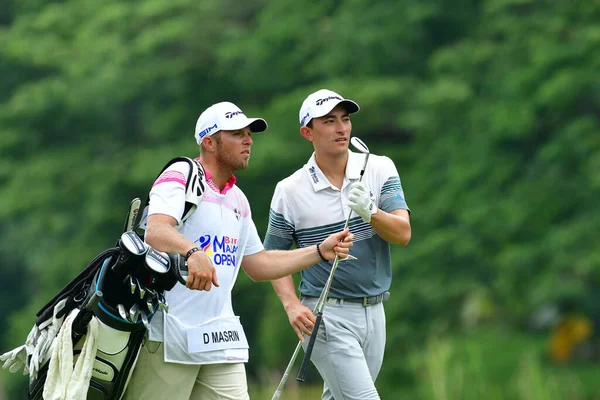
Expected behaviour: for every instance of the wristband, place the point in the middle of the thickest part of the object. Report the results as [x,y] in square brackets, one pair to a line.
[191,251]
[321,254]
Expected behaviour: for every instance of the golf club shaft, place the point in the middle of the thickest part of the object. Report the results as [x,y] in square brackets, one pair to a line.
[284,379]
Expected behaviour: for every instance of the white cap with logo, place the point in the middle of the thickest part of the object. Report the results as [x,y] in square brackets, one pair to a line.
[225,116]
[321,102]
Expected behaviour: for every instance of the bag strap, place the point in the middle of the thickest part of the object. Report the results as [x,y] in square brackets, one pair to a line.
[194,191]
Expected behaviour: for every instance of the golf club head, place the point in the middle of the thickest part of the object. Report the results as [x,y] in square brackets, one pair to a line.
[157,261]
[359,145]
[131,242]
[179,267]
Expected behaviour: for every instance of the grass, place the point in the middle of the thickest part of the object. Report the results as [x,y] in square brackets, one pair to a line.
[291,392]
[491,364]
[498,366]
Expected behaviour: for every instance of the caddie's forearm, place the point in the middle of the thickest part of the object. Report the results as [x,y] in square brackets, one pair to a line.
[284,287]
[163,237]
[392,228]
[275,264]
[287,262]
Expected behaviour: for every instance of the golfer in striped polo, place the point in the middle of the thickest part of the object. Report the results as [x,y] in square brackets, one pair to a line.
[313,203]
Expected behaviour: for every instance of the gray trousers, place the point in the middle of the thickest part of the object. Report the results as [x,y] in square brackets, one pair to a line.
[349,349]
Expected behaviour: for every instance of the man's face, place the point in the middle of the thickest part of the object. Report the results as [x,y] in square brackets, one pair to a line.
[331,133]
[233,148]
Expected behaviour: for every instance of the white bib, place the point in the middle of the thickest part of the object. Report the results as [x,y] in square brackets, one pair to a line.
[217,334]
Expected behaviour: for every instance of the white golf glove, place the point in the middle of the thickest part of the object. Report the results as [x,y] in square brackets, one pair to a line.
[362,201]
[15,360]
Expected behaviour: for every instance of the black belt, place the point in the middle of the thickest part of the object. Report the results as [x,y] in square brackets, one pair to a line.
[365,301]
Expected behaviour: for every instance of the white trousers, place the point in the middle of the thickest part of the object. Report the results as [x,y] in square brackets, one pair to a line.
[348,351]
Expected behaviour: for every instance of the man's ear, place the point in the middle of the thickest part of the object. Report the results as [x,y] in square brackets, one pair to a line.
[209,143]
[306,132]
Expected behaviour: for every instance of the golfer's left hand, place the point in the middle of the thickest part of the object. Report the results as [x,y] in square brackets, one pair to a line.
[337,244]
[362,201]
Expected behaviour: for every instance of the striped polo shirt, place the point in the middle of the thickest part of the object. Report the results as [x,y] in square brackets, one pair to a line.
[306,208]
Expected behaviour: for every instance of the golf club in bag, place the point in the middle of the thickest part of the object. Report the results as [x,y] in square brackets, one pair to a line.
[360,146]
[110,304]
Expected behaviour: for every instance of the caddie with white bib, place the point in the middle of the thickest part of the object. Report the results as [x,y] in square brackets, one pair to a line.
[198,349]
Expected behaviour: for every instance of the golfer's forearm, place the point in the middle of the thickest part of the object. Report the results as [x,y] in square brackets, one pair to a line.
[286,292]
[392,228]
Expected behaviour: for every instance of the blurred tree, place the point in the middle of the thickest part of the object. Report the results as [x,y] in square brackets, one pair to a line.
[490,109]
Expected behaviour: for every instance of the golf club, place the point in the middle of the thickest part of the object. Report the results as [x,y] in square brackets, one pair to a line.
[360,146]
[131,242]
[157,261]
[134,208]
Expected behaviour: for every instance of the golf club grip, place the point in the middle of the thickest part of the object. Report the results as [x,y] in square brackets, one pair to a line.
[309,348]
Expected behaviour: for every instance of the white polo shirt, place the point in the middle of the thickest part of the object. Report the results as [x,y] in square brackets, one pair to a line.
[201,327]
[306,208]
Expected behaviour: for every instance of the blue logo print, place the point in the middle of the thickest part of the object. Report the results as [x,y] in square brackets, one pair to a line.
[203,241]
[223,250]
[313,174]
[303,121]
[207,130]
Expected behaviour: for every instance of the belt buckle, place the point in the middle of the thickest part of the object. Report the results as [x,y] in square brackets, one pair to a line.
[366,302]
[332,302]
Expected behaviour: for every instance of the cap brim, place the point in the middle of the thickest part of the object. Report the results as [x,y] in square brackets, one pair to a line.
[257,125]
[349,105]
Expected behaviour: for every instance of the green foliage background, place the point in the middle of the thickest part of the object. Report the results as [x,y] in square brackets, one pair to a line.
[490,109]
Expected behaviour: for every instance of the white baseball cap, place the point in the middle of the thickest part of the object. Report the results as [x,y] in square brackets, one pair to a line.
[321,102]
[225,116]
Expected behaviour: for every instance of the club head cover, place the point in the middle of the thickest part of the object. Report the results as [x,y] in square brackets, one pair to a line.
[160,272]
[133,249]
[179,267]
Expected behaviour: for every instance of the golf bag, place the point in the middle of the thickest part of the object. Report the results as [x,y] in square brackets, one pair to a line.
[96,324]
[117,293]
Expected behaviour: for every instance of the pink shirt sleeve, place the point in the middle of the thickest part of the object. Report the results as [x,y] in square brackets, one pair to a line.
[167,195]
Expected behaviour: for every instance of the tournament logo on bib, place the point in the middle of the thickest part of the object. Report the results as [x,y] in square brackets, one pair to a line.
[221,250]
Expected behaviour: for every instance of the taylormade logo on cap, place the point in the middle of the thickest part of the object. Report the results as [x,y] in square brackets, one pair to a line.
[321,102]
[225,116]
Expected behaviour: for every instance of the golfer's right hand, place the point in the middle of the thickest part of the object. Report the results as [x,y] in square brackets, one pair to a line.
[301,318]
[201,272]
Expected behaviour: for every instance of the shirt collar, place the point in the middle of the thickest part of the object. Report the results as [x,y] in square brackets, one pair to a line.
[228,185]
[318,179]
